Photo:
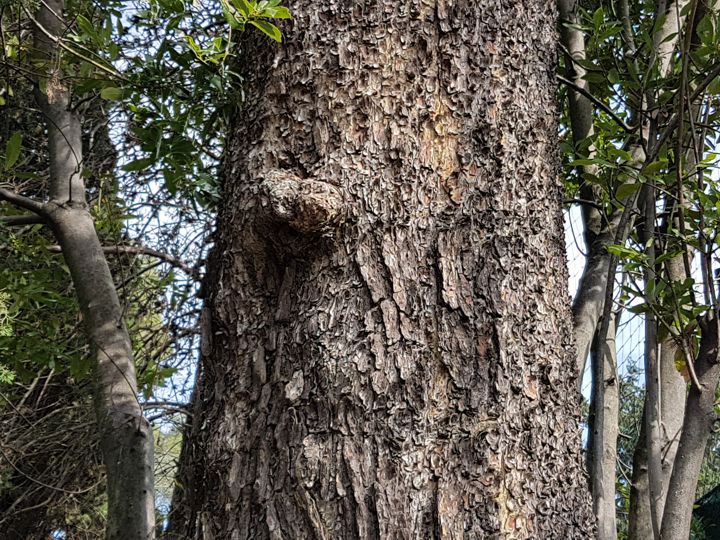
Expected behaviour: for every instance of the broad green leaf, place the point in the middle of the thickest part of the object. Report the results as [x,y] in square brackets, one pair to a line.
[244,7]
[624,191]
[87,27]
[655,167]
[277,12]
[231,16]
[268,29]
[112,93]
[12,149]
[641,308]
[598,17]
[138,164]
[624,252]
[584,162]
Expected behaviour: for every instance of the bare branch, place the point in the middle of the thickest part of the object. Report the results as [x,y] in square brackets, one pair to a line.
[619,121]
[16,221]
[20,201]
[142,250]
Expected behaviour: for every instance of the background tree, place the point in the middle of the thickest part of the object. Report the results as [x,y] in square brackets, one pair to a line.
[642,81]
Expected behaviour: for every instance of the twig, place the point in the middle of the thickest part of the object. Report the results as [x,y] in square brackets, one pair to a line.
[38,482]
[141,250]
[597,102]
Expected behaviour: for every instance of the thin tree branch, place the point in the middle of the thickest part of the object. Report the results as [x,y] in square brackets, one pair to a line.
[619,121]
[43,484]
[594,204]
[164,405]
[672,123]
[142,250]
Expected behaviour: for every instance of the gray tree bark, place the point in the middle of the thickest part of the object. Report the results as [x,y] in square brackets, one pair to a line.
[388,348]
[125,435]
[651,416]
[603,423]
[639,520]
[672,409]
[697,425]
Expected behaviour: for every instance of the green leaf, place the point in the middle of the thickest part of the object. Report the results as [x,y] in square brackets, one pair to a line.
[86,26]
[243,6]
[112,93]
[598,17]
[12,149]
[269,29]
[655,167]
[640,308]
[584,162]
[138,164]
[277,12]
[714,86]
[624,191]
[624,252]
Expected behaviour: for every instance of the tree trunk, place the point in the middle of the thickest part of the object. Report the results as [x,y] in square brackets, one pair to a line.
[697,426]
[639,518]
[602,445]
[391,352]
[673,390]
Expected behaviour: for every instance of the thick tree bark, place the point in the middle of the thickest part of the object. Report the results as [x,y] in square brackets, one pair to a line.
[389,351]
[125,435]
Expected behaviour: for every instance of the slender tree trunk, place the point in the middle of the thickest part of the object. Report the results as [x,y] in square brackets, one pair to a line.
[588,303]
[384,362]
[652,419]
[698,424]
[673,388]
[602,446]
[639,520]
[126,438]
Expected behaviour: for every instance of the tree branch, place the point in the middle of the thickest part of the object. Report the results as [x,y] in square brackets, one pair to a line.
[142,250]
[15,221]
[60,43]
[619,121]
[20,201]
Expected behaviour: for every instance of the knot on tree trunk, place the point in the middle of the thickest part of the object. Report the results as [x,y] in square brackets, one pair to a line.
[307,206]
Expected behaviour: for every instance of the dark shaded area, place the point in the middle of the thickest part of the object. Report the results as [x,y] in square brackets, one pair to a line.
[707,509]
